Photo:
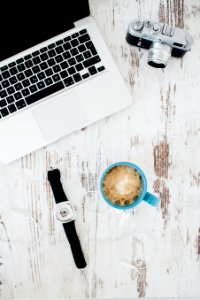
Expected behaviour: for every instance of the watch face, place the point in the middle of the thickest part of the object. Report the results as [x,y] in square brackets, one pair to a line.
[65,212]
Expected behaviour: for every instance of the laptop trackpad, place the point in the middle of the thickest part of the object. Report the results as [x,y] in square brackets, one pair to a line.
[60,116]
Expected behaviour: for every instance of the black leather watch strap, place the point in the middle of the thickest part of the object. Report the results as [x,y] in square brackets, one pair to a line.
[56,185]
[69,227]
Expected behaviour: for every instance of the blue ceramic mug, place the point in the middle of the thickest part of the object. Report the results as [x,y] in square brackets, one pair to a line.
[144,195]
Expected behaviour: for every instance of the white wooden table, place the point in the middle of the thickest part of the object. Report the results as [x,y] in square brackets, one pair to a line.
[160,133]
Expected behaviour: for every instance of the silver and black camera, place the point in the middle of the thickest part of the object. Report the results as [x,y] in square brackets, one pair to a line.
[161,39]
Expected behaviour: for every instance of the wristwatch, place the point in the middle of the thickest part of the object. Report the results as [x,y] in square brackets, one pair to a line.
[65,213]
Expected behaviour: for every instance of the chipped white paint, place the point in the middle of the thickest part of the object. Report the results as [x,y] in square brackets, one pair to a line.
[160,133]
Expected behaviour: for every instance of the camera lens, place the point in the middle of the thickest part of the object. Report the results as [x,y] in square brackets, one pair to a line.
[159,55]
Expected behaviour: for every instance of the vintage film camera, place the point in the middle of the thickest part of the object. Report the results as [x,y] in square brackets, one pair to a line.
[161,39]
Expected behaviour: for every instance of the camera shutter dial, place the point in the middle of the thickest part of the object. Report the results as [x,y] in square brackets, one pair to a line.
[156,27]
[138,25]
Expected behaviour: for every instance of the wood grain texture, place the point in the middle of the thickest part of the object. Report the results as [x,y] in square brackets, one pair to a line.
[160,133]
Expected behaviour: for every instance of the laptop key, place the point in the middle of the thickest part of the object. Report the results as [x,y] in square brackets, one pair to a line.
[92,70]
[36,69]
[74,51]
[74,42]
[83,31]
[71,61]
[12,108]
[69,81]
[3,103]
[49,72]
[68,38]
[44,56]
[60,42]
[71,70]
[36,53]
[59,58]
[59,49]
[74,35]
[27,57]
[13,71]
[10,99]
[64,74]
[45,92]
[3,94]
[19,61]
[25,92]
[90,46]
[67,46]
[13,80]
[18,96]
[4,112]
[12,64]
[18,86]
[28,73]
[20,104]
[20,76]
[52,53]
[64,65]
[6,74]
[10,90]
[79,67]
[77,77]
[91,61]
[100,69]
[36,60]
[81,48]
[26,82]
[84,38]
[51,62]
[29,63]
[43,66]
[44,49]
[79,58]
[4,68]
[51,46]
[56,78]
[5,83]
[41,75]
[21,67]
[87,54]
[48,81]
[66,55]
[33,79]
[56,69]
[33,88]
[40,85]
[86,75]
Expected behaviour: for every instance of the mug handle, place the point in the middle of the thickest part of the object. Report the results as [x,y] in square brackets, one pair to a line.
[151,199]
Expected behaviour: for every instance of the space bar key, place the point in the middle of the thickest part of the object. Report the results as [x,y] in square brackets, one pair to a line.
[44,93]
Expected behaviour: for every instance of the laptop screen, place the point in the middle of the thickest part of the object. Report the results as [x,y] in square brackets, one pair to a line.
[25,24]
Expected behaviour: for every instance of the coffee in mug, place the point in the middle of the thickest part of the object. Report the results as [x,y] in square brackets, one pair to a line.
[122,185]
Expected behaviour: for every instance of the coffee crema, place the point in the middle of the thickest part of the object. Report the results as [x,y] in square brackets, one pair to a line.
[122,185]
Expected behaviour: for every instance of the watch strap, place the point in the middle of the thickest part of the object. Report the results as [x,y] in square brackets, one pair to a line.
[69,227]
[56,185]
[75,245]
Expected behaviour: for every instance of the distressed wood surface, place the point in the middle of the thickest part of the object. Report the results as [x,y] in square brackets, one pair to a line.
[160,133]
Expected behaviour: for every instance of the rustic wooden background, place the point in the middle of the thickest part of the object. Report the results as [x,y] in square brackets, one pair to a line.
[160,133]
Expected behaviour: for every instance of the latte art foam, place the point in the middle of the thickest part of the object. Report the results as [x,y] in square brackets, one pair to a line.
[122,185]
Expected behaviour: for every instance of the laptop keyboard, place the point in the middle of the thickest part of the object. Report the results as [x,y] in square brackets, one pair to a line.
[46,71]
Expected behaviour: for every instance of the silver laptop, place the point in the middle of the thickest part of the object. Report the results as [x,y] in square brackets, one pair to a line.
[56,75]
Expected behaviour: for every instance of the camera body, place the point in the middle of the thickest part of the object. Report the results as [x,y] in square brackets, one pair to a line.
[161,39]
